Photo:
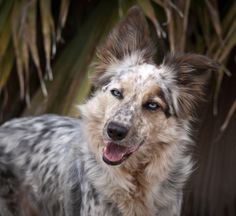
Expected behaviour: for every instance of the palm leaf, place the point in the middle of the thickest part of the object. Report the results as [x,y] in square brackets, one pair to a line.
[48,30]
[5,35]
[5,11]
[6,64]
[16,24]
[32,43]
[71,67]
[64,8]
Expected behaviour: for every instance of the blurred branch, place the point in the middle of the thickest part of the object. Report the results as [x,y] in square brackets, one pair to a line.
[227,121]
[214,15]
[150,13]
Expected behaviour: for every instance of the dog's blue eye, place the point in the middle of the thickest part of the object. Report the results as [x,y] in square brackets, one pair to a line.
[116,93]
[151,106]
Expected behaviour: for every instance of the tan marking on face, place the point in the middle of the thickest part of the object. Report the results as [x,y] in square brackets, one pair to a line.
[155,94]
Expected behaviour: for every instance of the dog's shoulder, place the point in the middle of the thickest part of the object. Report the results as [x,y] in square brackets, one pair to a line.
[40,122]
[29,131]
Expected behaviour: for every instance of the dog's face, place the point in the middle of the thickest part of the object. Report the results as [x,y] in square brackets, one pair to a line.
[139,106]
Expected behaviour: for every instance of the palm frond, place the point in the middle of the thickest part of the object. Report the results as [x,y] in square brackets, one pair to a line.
[71,68]
[64,8]
[19,25]
[6,64]
[48,30]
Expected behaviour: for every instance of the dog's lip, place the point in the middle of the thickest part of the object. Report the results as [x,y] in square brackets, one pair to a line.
[115,154]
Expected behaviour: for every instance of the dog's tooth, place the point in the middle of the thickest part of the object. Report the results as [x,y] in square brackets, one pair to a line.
[104,149]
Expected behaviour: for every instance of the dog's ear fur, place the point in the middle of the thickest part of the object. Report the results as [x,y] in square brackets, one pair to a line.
[191,72]
[129,36]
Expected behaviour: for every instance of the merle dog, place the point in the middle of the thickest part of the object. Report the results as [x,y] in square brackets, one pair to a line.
[127,155]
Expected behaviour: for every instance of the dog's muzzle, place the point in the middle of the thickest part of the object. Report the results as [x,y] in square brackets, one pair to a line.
[114,153]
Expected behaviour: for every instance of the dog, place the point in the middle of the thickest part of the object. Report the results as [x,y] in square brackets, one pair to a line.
[128,154]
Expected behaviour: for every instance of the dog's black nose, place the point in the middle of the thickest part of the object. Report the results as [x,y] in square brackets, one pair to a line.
[116,131]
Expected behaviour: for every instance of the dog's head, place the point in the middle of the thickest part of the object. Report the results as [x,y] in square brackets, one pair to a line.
[140,106]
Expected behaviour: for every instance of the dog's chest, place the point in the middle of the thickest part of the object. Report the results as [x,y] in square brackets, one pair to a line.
[117,196]
[138,201]
[117,203]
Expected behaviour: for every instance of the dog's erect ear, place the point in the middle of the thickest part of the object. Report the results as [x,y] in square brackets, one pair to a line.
[129,36]
[191,72]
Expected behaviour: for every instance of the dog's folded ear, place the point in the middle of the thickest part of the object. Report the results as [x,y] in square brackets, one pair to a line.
[128,37]
[191,74]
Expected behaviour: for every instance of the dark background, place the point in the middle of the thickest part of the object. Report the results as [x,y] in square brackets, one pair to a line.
[211,190]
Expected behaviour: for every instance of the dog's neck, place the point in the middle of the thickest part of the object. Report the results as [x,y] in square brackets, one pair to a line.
[133,185]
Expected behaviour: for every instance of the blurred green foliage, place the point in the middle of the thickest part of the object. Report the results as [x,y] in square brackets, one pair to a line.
[30,33]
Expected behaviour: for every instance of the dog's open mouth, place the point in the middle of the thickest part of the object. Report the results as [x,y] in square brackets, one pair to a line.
[114,154]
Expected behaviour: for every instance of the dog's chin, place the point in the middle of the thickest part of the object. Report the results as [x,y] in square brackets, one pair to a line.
[114,154]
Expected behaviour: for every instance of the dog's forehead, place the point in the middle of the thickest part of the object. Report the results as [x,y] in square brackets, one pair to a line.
[140,73]
[143,75]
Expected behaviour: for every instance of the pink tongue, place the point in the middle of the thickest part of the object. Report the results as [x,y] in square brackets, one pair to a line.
[114,152]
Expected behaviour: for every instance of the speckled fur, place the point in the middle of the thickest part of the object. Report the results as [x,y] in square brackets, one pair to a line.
[52,165]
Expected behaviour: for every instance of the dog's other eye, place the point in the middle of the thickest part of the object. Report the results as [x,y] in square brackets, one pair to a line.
[117,93]
[152,106]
